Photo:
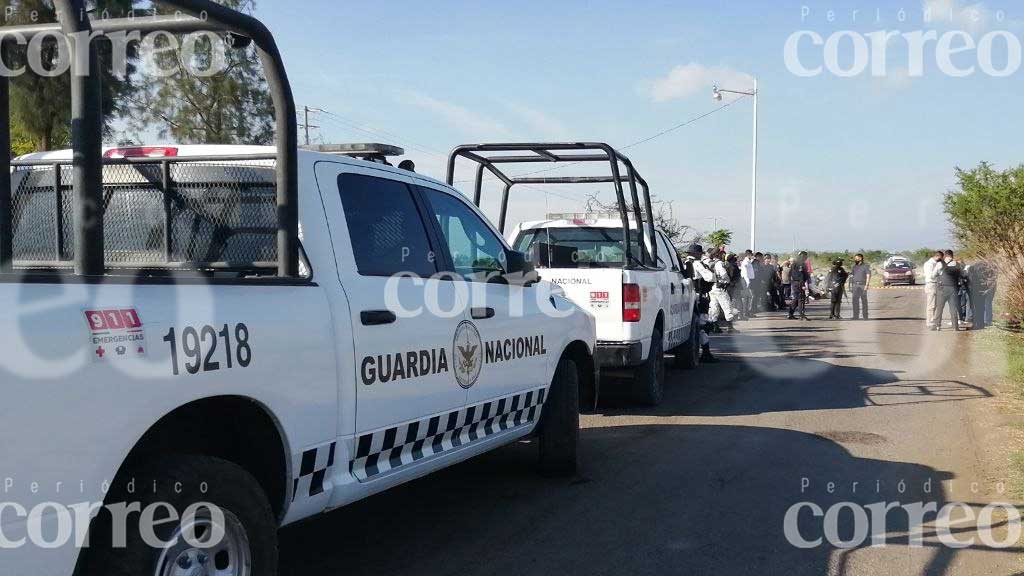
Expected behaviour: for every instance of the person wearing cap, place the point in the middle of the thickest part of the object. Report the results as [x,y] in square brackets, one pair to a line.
[703,281]
[800,277]
[836,285]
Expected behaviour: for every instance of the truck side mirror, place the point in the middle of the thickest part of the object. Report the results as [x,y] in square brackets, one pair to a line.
[519,270]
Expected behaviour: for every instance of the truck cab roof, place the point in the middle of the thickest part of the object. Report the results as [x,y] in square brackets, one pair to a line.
[185,151]
[583,222]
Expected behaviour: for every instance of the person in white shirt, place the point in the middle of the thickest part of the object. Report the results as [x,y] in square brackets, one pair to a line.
[748,274]
[932,271]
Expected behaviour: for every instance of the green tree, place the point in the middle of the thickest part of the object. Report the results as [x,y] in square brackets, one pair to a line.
[40,105]
[719,238]
[986,211]
[230,107]
[21,141]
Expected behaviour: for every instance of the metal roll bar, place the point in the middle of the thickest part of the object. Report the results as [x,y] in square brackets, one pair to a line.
[87,123]
[490,156]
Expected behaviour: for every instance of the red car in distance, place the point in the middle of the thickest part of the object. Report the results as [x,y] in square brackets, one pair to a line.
[899,272]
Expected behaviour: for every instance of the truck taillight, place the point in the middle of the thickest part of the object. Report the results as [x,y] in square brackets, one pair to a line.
[630,303]
[142,152]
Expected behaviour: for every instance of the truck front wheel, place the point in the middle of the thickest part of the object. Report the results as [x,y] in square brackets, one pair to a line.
[649,377]
[222,523]
[559,426]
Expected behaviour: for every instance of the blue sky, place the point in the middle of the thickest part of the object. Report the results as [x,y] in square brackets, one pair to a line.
[859,162]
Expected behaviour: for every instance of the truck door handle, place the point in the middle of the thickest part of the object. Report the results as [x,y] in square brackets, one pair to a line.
[673,288]
[377,317]
[482,313]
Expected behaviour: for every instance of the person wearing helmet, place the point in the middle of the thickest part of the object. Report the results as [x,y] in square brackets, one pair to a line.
[835,283]
[703,278]
[723,311]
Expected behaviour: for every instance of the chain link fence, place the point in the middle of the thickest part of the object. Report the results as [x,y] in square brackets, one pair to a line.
[177,214]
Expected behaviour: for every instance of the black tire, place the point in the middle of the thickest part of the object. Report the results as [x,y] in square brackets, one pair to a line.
[228,487]
[688,354]
[559,428]
[649,377]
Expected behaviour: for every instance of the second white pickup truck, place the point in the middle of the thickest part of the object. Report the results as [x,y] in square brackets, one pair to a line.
[634,284]
[642,311]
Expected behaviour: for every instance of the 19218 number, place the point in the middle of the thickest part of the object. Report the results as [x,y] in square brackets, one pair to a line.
[195,340]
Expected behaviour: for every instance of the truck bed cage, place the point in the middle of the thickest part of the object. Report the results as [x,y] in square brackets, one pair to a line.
[492,156]
[88,165]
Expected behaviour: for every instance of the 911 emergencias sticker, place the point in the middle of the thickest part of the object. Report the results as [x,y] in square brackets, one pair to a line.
[115,334]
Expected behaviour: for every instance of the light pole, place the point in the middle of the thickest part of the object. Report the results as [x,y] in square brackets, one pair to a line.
[717,94]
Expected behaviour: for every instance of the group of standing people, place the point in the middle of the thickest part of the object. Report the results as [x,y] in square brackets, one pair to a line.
[966,291]
[743,288]
[739,289]
[734,289]
[859,280]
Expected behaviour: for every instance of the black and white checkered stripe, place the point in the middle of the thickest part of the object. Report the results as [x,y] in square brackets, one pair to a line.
[384,450]
[313,469]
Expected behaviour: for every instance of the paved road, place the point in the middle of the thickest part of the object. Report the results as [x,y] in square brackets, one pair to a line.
[702,484]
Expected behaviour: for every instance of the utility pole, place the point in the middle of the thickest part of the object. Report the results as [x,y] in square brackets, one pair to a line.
[306,125]
[717,94]
[753,193]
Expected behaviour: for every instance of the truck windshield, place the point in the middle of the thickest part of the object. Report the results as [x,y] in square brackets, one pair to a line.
[574,247]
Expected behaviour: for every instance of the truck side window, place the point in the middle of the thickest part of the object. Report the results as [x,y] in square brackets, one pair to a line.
[476,252]
[387,231]
[667,253]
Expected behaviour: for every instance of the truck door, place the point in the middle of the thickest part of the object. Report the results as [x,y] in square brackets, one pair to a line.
[512,328]
[403,317]
[679,324]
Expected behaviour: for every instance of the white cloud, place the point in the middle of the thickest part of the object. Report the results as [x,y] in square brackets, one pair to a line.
[540,124]
[686,80]
[462,118]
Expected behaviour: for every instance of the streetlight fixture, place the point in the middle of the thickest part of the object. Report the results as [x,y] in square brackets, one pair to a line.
[717,94]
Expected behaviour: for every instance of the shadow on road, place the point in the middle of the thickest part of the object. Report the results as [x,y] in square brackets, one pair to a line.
[655,499]
[793,382]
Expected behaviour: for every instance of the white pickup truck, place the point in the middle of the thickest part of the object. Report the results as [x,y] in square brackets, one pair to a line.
[641,310]
[407,343]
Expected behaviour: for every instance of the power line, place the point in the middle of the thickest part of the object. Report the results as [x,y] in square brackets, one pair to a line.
[634,144]
[342,121]
[377,132]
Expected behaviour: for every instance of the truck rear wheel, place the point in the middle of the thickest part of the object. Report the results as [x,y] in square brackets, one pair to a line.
[240,513]
[688,355]
[649,377]
[560,422]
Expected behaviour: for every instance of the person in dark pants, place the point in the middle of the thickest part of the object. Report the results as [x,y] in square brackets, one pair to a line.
[860,283]
[949,287]
[982,279]
[799,276]
[963,294]
[836,284]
